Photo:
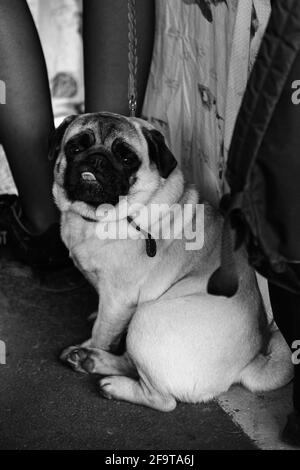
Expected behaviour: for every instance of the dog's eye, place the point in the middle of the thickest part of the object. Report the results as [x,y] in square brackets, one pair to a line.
[80,143]
[75,149]
[125,154]
[128,158]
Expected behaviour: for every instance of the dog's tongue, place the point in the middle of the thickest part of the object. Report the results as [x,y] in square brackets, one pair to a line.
[88,176]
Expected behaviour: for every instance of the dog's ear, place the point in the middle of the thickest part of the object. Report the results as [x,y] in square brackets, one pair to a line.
[159,152]
[56,138]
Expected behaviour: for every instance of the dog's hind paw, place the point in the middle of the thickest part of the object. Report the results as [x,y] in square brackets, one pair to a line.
[104,389]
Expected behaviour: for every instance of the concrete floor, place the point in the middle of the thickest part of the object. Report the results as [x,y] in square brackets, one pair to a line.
[45,405]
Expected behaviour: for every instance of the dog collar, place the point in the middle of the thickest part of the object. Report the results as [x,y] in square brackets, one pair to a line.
[151,247]
[88,219]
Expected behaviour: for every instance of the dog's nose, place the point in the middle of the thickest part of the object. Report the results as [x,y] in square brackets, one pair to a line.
[99,161]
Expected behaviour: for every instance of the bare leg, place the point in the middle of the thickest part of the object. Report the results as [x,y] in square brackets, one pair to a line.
[126,389]
[26,119]
[105,34]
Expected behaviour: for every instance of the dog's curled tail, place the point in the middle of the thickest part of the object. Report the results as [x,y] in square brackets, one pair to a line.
[271,370]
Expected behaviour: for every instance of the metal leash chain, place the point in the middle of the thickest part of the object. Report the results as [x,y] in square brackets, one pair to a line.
[132,58]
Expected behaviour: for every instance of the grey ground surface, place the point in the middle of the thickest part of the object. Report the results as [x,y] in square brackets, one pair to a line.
[44,405]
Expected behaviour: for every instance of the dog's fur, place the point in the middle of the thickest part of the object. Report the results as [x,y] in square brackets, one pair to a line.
[182,343]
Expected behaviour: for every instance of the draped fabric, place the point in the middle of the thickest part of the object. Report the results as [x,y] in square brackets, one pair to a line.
[188,93]
[59,23]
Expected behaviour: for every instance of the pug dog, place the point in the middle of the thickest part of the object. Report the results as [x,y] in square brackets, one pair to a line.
[182,344]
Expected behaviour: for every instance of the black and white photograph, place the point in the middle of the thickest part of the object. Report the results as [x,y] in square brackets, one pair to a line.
[150,228]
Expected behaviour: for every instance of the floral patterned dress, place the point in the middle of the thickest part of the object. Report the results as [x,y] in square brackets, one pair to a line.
[188,89]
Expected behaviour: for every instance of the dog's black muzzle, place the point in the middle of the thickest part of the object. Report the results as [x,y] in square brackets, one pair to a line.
[95,178]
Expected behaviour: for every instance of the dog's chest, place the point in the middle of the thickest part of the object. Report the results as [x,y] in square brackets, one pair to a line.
[99,257]
[77,234]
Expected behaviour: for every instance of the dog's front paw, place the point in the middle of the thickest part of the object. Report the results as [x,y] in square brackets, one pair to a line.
[75,357]
[81,359]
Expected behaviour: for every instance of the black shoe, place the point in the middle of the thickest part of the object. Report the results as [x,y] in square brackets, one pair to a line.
[291,432]
[44,252]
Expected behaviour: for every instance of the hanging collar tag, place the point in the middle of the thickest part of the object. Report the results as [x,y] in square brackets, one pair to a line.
[151,247]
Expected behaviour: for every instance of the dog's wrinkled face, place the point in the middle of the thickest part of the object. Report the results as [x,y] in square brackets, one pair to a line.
[100,156]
